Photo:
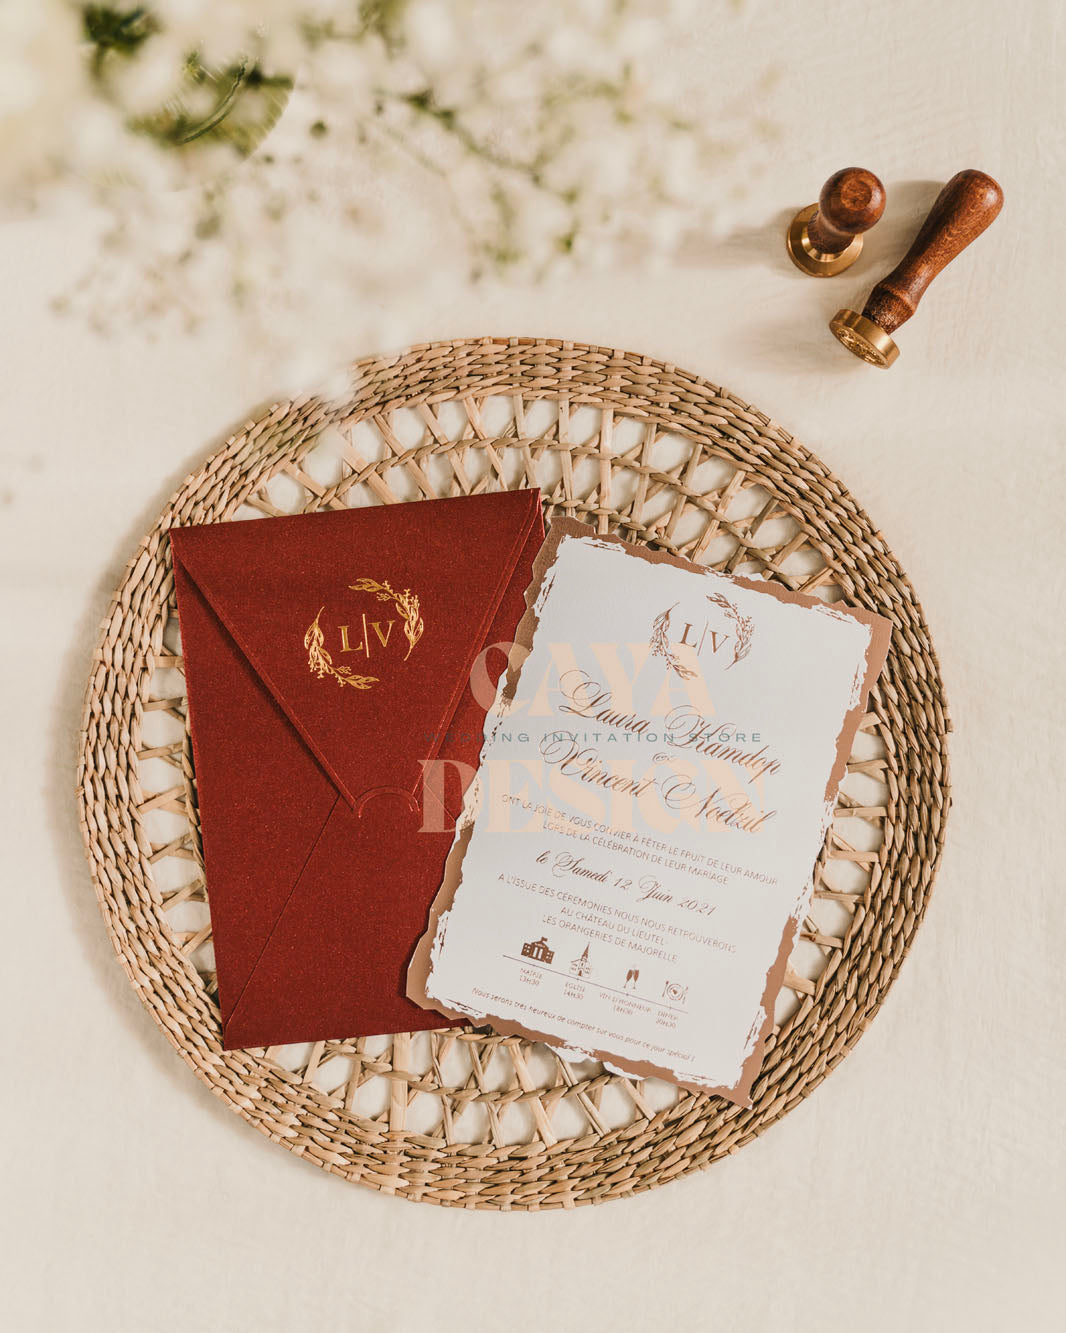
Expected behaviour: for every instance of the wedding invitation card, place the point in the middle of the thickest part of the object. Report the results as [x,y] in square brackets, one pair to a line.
[658,773]
[332,661]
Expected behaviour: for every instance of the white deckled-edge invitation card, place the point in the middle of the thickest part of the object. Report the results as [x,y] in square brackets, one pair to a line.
[636,852]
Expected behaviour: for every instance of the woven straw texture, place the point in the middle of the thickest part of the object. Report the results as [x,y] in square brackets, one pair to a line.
[640,448]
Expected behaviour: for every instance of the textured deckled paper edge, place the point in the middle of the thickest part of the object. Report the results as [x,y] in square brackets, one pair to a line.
[563,529]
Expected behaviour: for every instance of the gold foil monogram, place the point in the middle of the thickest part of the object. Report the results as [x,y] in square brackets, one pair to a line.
[698,636]
[369,637]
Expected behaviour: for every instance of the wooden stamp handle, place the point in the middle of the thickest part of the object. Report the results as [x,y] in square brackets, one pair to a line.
[966,205]
[851,202]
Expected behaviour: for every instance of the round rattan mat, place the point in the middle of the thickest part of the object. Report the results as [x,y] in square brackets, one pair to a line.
[637,447]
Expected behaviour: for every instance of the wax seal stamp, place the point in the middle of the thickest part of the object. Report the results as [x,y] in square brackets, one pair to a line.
[963,209]
[826,238]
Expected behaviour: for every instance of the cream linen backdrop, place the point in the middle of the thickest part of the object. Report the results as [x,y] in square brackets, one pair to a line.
[922,1186]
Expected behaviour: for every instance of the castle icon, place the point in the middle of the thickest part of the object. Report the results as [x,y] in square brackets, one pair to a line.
[538,950]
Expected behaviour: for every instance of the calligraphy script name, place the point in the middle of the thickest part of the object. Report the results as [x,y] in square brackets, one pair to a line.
[719,808]
[684,727]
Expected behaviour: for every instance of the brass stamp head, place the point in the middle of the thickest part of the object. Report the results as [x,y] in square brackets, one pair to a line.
[806,256]
[826,238]
[963,209]
[864,338]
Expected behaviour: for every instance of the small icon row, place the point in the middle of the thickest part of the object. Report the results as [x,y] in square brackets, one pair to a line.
[539,951]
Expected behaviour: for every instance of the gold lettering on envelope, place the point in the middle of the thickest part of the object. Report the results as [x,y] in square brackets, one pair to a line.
[369,637]
[363,646]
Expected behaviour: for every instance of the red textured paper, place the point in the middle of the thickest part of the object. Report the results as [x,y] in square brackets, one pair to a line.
[318,871]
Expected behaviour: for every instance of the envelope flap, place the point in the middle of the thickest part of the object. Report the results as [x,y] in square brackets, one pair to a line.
[364,623]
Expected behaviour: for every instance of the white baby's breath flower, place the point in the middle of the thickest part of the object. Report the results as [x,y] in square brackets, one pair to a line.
[638,36]
[21,86]
[337,73]
[144,84]
[229,32]
[430,34]
[42,88]
[594,13]
[564,50]
[424,139]
[95,138]
[192,17]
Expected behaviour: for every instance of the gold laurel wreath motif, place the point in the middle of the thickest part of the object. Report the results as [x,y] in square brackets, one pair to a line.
[405,602]
[660,638]
[660,645]
[744,626]
[321,663]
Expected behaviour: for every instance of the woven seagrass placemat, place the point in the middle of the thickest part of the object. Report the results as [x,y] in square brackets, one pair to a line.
[636,447]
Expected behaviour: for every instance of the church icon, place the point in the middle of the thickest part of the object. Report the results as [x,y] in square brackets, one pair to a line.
[538,950]
[581,967]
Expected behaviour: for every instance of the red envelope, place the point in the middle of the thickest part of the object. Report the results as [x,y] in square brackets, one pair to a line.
[328,660]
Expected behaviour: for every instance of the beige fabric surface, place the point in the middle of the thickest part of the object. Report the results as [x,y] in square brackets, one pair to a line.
[922,1186]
